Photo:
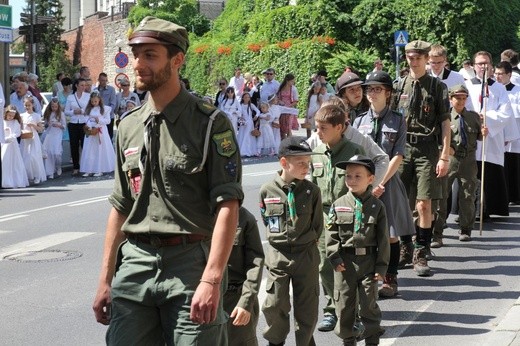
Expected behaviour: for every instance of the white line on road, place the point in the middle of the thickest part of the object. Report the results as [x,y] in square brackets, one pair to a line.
[97,199]
[3,218]
[101,199]
[42,243]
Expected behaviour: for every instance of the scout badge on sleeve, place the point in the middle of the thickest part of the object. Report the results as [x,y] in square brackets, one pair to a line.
[225,143]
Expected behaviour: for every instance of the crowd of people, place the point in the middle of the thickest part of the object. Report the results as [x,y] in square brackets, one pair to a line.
[365,194]
[84,114]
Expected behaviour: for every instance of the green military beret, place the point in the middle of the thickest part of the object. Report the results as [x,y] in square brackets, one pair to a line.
[459,89]
[160,31]
[418,46]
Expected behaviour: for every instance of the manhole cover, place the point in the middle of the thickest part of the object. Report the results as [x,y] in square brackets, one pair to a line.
[44,256]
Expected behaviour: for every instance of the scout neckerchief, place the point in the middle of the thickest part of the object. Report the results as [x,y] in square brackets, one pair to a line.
[291,202]
[358,215]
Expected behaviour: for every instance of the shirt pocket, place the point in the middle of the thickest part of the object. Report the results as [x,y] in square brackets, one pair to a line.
[390,135]
[345,223]
[317,169]
[178,173]
[369,225]
[274,213]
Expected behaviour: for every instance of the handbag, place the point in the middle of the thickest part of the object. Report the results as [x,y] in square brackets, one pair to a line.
[256,133]
[90,131]
[26,135]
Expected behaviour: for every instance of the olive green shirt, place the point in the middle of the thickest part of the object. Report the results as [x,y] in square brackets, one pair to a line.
[246,261]
[427,115]
[175,197]
[372,233]
[472,126]
[274,208]
[329,178]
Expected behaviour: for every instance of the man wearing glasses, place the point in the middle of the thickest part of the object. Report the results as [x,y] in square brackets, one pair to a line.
[270,85]
[423,101]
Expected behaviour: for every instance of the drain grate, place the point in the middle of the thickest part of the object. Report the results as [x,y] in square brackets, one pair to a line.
[44,256]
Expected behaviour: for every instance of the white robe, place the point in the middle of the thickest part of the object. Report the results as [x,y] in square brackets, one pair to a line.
[31,149]
[13,168]
[98,152]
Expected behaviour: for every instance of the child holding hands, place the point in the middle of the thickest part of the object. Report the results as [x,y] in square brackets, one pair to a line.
[359,250]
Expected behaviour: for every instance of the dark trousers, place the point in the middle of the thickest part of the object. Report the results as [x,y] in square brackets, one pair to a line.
[110,128]
[76,136]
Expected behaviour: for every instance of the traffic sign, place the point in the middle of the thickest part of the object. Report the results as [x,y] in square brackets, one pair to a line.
[118,78]
[6,16]
[121,59]
[400,38]
[6,35]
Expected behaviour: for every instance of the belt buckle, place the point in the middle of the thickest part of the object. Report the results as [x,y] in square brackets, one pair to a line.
[361,251]
[413,139]
[155,241]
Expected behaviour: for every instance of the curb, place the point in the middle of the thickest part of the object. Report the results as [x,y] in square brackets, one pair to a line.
[507,332]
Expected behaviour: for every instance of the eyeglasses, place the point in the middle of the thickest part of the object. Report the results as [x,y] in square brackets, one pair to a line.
[481,63]
[375,90]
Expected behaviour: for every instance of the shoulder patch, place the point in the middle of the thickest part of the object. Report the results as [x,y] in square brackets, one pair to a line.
[205,107]
[225,143]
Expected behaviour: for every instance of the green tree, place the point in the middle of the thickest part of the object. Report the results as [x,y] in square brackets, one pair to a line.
[182,12]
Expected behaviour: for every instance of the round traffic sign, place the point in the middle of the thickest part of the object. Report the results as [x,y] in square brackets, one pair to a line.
[121,59]
[118,78]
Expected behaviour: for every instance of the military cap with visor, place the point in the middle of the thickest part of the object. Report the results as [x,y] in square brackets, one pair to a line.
[379,78]
[159,31]
[361,160]
[459,89]
[294,146]
[418,46]
[347,79]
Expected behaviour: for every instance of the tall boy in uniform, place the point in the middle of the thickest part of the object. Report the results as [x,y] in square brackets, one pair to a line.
[245,266]
[330,126]
[291,209]
[359,250]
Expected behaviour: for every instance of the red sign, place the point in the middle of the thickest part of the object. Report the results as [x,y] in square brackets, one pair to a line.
[121,59]
[118,78]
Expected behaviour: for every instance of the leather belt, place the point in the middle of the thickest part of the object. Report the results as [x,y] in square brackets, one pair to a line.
[414,139]
[160,241]
[361,251]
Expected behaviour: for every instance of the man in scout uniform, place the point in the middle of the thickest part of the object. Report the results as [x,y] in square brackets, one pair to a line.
[359,250]
[330,126]
[174,190]
[291,209]
[422,100]
[466,130]
[245,266]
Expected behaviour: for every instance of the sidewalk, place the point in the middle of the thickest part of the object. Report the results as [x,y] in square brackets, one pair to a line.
[507,333]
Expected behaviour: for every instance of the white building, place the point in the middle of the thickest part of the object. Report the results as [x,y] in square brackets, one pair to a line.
[75,11]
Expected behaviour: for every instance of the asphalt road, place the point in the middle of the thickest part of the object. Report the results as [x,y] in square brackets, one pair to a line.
[51,239]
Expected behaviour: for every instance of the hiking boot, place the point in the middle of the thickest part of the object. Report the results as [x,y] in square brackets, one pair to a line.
[328,323]
[350,341]
[420,263]
[406,255]
[436,243]
[465,236]
[389,287]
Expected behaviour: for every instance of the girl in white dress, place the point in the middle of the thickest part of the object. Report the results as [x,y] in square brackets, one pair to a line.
[314,101]
[55,124]
[249,114]
[265,143]
[98,155]
[13,169]
[231,106]
[31,148]
[276,110]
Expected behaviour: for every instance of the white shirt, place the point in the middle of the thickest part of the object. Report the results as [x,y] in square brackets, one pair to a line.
[268,89]
[74,102]
[513,92]
[238,84]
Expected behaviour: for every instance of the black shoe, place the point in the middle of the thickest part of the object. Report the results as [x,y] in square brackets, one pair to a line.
[328,323]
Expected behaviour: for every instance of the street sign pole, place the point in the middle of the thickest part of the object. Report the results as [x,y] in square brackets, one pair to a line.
[400,40]
[397,69]
[4,54]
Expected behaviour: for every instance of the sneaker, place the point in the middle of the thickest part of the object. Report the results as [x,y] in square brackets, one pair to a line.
[36,181]
[86,175]
[406,255]
[389,287]
[436,243]
[465,236]
[328,323]
[97,175]
[50,176]
[58,172]
[420,263]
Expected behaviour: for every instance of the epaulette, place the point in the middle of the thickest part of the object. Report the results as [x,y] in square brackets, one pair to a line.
[205,107]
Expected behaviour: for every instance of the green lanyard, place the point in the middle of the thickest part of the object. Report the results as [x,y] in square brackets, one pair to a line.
[292,203]
[358,216]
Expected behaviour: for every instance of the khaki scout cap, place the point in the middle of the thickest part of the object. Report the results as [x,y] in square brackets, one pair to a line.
[459,89]
[418,46]
[346,80]
[155,30]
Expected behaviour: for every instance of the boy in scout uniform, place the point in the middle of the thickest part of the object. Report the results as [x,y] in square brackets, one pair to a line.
[422,100]
[245,266]
[291,209]
[359,251]
[330,127]
[174,190]
[466,129]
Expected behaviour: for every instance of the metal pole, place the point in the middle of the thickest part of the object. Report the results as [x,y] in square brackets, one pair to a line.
[396,62]
[4,72]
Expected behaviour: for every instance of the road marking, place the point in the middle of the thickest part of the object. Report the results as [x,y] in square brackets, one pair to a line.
[42,243]
[97,199]
[3,218]
[100,199]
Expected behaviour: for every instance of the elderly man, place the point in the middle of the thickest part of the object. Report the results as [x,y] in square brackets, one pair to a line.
[21,91]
